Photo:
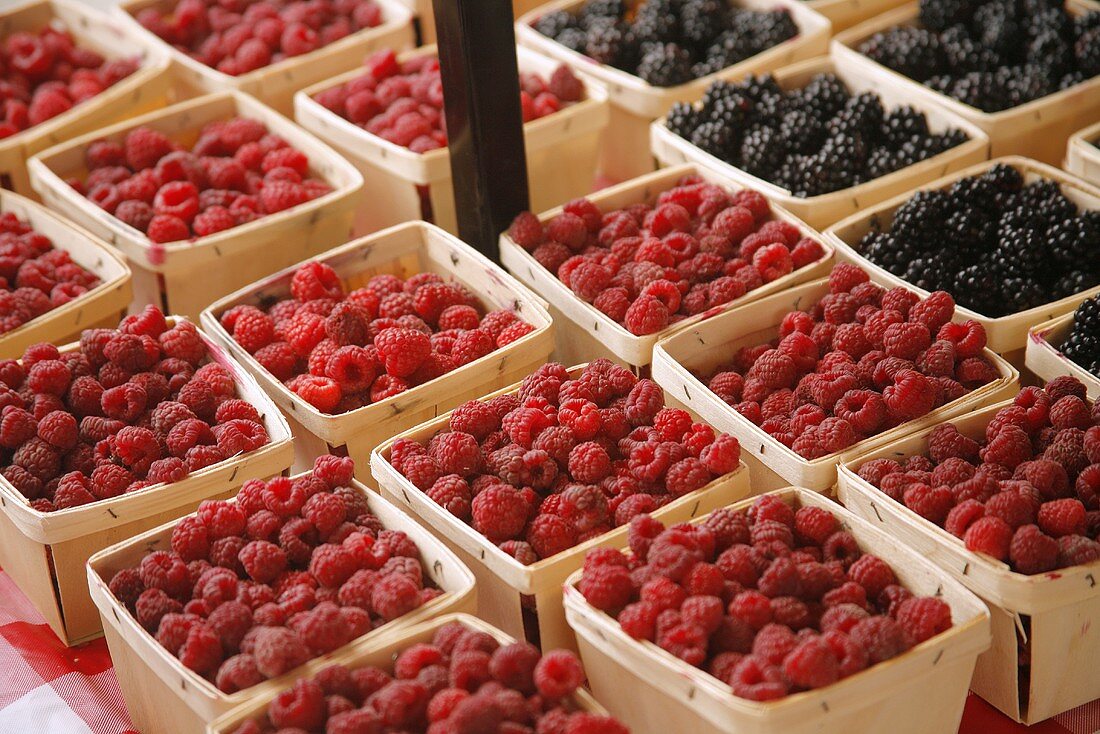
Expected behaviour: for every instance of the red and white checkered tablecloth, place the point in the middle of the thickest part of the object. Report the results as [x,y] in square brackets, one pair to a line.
[47,688]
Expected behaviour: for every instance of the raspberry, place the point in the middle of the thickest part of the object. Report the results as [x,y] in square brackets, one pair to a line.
[722,456]
[755,679]
[152,605]
[647,315]
[911,396]
[558,674]
[607,588]
[811,665]
[945,442]
[881,637]
[989,535]
[924,617]
[873,574]
[161,570]
[549,535]
[1031,551]
[686,476]
[394,596]
[277,650]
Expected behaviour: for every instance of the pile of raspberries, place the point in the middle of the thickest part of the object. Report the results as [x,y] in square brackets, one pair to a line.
[462,681]
[564,459]
[242,36]
[133,407]
[294,569]
[35,277]
[647,266]
[771,601]
[1027,492]
[860,361]
[340,351]
[234,173]
[402,102]
[46,74]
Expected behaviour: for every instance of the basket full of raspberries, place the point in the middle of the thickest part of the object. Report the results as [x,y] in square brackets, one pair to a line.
[527,479]
[46,265]
[118,432]
[250,589]
[268,48]
[1014,241]
[203,196]
[1005,499]
[383,333]
[388,118]
[822,138]
[630,264]
[1025,71]
[453,674]
[759,616]
[68,69]
[831,368]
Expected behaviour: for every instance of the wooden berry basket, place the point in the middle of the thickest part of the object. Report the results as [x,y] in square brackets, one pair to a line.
[184,277]
[503,583]
[1006,335]
[1082,155]
[144,90]
[634,103]
[1038,129]
[103,305]
[1052,611]
[165,697]
[44,552]
[844,14]
[1045,359]
[585,332]
[561,150]
[381,653]
[922,690]
[275,84]
[677,359]
[825,209]
[404,250]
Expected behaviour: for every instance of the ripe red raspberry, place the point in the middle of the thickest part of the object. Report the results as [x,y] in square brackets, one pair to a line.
[526,231]
[277,650]
[457,453]
[549,535]
[558,674]
[589,462]
[394,596]
[608,588]
[872,573]
[945,442]
[647,315]
[499,512]
[882,637]
[989,535]
[924,617]
[162,570]
[911,396]
[183,342]
[323,393]
[1062,517]
[402,350]
[1010,447]
[1031,551]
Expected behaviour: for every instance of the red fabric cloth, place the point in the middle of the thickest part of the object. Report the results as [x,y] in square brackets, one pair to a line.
[46,688]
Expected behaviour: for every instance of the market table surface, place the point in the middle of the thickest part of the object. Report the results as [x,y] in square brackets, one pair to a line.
[46,688]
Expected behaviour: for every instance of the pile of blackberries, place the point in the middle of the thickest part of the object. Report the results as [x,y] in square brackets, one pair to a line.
[812,140]
[667,42]
[1083,344]
[997,245]
[993,54]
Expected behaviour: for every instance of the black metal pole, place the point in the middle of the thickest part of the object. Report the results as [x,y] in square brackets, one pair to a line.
[477,58]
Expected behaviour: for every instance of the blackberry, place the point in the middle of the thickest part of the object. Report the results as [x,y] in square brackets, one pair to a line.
[729,48]
[997,27]
[1087,51]
[682,119]
[823,97]
[861,115]
[610,42]
[981,287]
[714,138]
[656,22]
[1003,178]
[1047,202]
[883,160]
[553,23]
[598,10]
[769,28]
[574,39]
[763,151]
[963,53]
[985,90]
[938,15]
[1051,51]
[665,65]
[770,109]
[801,132]
[886,251]
[1021,252]
[915,221]
[1073,241]
[1071,80]
[1075,282]
[902,124]
[1021,294]
[701,21]
[756,87]
[912,52]
[1083,343]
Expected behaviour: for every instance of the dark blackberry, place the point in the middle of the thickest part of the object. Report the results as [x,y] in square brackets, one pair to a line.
[656,22]
[978,287]
[916,221]
[1046,201]
[1050,50]
[1087,51]
[1074,241]
[997,27]
[912,52]
[1003,178]
[1075,282]
[1083,343]
[903,123]
[1021,294]
[862,115]
[801,132]
[836,166]
[701,21]
[1071,80]
[1086,22]
[553,23]
[1021,253]
[938,15]
[883,160]
[962,53]
[763,151]
[823,96]
[930,273]
[714,138]
[729,48]
[887,251]
[1053,18]
[770,109]
[665,65]
[771,28]
[757,87]
[985,90]
[574,39]
[682,119]
[598,10]
[611,42]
